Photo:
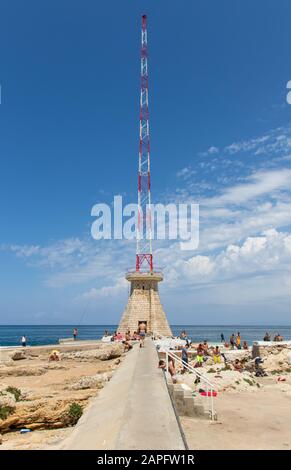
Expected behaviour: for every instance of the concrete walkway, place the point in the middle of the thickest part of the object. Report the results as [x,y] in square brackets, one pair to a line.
[133,411]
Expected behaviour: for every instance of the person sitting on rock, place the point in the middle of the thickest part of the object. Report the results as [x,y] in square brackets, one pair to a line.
[238,366]
[118,336]
[278,337]
[259,371]
[127,346]
[267,337]
[127,336]
[54,356]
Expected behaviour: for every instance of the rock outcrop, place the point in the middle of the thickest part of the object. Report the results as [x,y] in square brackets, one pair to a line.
[28,400]
[42,414]
[93,381]
[6,399]
[102,354]
[22,371]
[267,349]
[18,355]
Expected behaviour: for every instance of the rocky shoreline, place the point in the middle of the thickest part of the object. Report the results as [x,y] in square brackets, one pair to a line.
[49,397]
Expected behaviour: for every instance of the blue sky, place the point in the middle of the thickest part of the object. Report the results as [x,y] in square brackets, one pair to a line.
[220,137]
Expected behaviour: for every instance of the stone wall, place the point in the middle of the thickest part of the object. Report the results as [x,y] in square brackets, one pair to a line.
[144,305]
[266,348]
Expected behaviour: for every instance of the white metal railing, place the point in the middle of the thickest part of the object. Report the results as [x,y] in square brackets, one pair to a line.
[156,270]
[210,388]
[157,335]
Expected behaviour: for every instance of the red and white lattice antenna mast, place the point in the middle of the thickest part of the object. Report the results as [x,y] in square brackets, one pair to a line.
[144,256]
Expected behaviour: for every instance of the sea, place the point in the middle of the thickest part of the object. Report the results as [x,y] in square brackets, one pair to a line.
[50,334]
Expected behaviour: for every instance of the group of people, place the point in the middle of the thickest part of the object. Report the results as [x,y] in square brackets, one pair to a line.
[203,352]
[277,337]
[117,336]
[234,341]
[128,337]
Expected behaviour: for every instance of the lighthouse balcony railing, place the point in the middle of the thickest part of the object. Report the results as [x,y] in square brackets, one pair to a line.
[145,270]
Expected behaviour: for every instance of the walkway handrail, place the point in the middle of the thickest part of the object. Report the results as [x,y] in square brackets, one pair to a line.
[156,334]
[210,388]
[192,369]
[186,365]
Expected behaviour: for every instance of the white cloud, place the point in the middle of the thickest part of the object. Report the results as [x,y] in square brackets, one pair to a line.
[186,173]
[105,291]
[246,145]
[268,254]
[212,150]
[265,151]
[23,251]
[245,247]
[258,184]
[75,261]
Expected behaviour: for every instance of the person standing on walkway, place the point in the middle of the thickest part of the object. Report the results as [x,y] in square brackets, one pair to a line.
[142,338]
[75,334]
[142,333]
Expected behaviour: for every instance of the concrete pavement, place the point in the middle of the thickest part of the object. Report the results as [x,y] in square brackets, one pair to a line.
[133,411]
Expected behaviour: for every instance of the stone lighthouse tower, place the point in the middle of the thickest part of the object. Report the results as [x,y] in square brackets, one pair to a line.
[144,305]
[144,309]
